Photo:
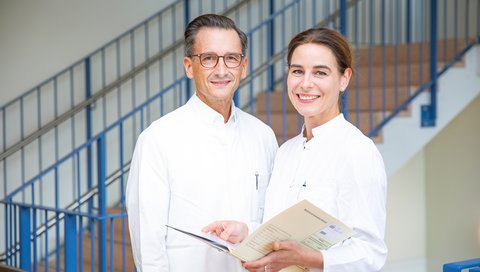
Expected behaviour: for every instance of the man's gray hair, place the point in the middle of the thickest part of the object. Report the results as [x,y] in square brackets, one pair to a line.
[211,21]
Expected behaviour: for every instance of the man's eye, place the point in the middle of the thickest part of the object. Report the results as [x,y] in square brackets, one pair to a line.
[234,57]
[208,57]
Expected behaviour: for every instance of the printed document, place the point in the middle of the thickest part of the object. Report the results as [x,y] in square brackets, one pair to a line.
[303,222]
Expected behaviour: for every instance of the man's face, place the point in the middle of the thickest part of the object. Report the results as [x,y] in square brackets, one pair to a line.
[215,86]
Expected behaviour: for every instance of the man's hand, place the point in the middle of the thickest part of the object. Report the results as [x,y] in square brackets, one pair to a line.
[228,230]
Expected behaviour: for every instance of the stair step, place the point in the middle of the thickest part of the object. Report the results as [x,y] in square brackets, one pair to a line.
[404,53]
[119,227]
[117,245]
[293,123]
[117,254]
[378,99]
[390,75]
[87,260]
[276,102]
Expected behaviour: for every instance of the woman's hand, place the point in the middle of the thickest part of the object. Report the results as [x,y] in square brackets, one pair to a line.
[228,230]
[286,253]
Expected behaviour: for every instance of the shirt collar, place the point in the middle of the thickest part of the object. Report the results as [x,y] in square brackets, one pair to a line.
[323,132]
[209,115]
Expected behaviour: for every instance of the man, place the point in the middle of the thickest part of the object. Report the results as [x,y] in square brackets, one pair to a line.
[205,161]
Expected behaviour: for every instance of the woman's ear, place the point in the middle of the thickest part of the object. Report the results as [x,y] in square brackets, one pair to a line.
[345,79]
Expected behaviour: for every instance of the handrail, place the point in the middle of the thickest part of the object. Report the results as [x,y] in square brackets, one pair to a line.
[114,176]
[278,56]
[93,139]
[104,91]
[420,90]
[140,109]
[461,265]
[41,229]
[275,58]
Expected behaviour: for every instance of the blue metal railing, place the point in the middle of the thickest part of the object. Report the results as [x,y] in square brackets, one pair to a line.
[116,137]
[114,79]
[99,144]
[79,159]
[81,100]
[459,266]
[401,48]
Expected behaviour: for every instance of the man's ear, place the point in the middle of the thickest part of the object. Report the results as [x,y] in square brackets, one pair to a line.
[187,63]
[244,67]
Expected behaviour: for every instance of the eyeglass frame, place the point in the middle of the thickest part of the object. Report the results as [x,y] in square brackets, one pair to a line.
[242,56]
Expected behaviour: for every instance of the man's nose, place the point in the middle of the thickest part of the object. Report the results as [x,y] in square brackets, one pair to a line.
[221,68]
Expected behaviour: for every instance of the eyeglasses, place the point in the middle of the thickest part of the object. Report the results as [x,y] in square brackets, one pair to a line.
[210,60]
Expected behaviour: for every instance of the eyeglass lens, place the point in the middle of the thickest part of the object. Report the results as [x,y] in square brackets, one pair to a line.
[210,60]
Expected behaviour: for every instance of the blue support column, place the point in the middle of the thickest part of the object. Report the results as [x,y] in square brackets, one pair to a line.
[343,17]
[102,204]
[188,82]
[70,243]
[88,121]
[25,247]
[343,30]
[408,26]
[429,112]
[236,98]
[271,47]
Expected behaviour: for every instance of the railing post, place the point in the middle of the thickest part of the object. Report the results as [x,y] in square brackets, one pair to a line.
[25,246]
[343,30]
[429,112]
[478,23]
[102,204]
[188,83]
[408,33]
[271,46]
[70,243]
[88,124]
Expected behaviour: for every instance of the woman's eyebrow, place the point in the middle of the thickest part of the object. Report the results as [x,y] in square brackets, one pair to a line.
[315,67]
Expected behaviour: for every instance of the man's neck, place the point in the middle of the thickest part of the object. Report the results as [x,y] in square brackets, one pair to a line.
[224,107]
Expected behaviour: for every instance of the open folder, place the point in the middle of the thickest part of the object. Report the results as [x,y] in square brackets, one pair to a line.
[303,222]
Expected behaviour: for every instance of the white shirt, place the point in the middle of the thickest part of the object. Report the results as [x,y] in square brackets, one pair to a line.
[341,171]
[188,169]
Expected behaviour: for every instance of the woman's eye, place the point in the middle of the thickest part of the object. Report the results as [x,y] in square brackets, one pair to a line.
[297,72]
[320,73]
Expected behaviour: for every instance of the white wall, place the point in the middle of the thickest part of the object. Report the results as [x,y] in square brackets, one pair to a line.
[40,38]
[433,208]
[406,218]
[433,205]
[452,168]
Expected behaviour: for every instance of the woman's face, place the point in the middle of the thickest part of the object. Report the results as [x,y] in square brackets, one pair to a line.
[314,83]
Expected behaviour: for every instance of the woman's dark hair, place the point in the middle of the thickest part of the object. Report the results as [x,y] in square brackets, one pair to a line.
[329,38]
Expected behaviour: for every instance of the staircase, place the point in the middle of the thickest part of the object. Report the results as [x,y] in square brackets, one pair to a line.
[75,168]
[386,80]
[118,246]
[385,77]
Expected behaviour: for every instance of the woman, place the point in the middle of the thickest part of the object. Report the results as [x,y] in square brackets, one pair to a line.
[330,163]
